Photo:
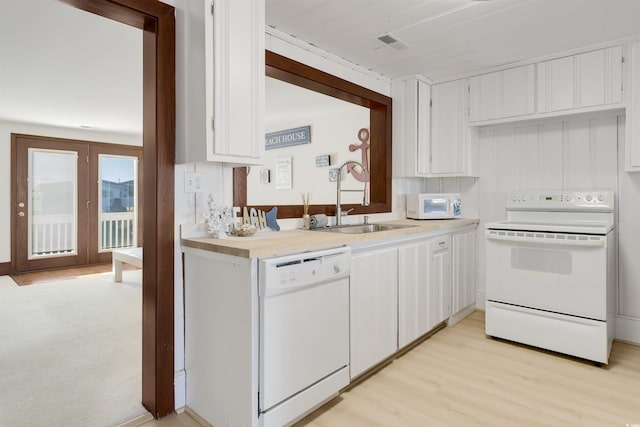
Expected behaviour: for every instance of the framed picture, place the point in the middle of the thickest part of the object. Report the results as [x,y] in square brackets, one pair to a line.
[283,173]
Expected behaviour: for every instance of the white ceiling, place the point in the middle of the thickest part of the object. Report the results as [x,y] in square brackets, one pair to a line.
[450,38]
[60,66]
[64,67]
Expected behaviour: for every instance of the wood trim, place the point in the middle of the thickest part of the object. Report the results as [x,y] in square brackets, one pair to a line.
[157,21]
[5,268]
[380,107]
[20,146]
[94,148]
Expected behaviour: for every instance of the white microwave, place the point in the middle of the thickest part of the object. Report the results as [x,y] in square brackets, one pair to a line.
[433,205]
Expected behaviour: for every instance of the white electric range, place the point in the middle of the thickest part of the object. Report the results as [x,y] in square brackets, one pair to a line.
[551,272]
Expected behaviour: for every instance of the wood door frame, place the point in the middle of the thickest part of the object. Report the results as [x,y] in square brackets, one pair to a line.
[92,150]
[157,21]
[20,146]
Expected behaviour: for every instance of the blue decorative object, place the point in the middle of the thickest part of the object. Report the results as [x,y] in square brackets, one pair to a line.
[287,138]
[271,219]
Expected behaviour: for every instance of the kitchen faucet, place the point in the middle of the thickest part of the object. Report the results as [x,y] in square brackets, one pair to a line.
[365,198]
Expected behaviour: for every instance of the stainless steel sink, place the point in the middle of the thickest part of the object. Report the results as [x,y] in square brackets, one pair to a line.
[361,228]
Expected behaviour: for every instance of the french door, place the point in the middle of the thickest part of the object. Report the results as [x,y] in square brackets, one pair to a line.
[73,201]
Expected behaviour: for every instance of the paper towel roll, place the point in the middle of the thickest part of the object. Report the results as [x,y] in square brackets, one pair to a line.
[318,221]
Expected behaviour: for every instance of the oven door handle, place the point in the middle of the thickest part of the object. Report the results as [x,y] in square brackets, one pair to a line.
[598,242]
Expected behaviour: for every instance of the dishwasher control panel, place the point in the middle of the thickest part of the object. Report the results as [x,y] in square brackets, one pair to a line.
[303,269]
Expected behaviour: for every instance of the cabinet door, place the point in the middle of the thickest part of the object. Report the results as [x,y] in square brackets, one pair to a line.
[411,127]
[505,93]
[373,308]
[448,127]
[555,85]
[483,102]
[440,286]
[598,77]
[464,270]
[632,120]
[424,128]
[238,82]
[579,81]
[516,97]
[413,292]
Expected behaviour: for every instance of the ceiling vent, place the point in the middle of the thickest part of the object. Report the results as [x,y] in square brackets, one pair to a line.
[391,40]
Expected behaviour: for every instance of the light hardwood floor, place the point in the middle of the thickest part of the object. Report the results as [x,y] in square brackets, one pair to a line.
[460,377]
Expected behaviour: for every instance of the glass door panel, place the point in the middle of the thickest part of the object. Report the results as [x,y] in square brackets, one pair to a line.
[53,208]
[117,202]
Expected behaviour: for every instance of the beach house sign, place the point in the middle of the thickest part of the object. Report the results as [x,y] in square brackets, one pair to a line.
[287,138]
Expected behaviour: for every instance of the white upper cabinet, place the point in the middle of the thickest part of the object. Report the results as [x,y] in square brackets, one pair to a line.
[411,126]
[451,146]
[506,93]
[238,81]
[586,80]
[224,69]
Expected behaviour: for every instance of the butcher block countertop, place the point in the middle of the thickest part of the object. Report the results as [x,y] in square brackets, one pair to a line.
[266,244]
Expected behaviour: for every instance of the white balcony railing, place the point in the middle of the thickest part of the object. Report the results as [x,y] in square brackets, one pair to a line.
[117,230]
[52,235]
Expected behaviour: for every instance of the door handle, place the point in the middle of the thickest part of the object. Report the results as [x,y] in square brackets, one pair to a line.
[20,213]
[21,205]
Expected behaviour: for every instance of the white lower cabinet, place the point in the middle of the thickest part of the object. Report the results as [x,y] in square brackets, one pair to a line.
[440,277]
[463,289]
[373,308]
[414,298]
[424,285]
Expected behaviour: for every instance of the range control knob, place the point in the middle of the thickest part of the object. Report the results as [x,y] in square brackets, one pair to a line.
[589,198]
[601,198]
[567,198]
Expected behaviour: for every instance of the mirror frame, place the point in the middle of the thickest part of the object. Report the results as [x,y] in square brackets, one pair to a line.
[299,74]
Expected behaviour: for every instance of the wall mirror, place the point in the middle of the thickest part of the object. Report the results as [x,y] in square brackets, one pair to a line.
[330,111]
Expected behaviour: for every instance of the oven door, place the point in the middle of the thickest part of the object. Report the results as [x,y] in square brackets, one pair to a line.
[561,273]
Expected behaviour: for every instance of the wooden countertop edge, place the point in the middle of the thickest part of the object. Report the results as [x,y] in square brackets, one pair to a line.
[291,241]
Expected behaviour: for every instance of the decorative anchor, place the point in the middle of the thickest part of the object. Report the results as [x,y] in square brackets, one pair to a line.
[363,176]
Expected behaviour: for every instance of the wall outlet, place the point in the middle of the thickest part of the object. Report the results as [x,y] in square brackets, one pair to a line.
[192,182]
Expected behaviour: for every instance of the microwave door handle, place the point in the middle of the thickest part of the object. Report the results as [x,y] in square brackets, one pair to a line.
[546,241]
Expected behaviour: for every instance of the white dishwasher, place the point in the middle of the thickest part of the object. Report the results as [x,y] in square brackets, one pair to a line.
[304,332]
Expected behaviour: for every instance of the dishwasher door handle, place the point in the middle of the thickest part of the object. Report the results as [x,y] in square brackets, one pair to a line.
[275,290]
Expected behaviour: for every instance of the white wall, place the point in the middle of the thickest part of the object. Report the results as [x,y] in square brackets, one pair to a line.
[580,153]
[331,133]
[6,129]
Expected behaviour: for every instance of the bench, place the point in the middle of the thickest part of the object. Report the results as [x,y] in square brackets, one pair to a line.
[131,256]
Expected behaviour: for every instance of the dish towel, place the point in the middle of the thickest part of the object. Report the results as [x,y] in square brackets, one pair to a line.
[318,221]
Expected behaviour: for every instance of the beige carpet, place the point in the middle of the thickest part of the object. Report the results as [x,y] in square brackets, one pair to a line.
[70,352]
